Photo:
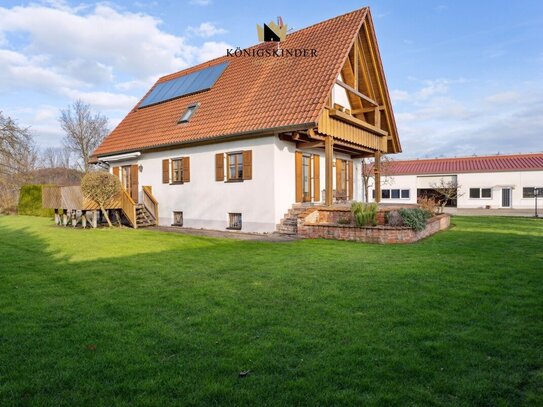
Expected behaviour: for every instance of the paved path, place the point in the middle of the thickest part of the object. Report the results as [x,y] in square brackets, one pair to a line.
[260,237]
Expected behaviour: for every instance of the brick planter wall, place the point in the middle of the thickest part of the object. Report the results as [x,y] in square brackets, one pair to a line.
[311,226]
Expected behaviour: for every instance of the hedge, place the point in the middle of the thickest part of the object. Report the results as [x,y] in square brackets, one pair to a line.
[30,202]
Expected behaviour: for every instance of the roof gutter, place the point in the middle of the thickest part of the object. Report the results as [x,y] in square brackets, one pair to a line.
[227,137]
[120,157]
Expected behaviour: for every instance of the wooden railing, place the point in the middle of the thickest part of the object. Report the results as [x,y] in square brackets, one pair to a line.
[150,202]
[128,206]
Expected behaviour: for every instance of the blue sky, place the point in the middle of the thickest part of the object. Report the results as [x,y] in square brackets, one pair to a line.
[465,77]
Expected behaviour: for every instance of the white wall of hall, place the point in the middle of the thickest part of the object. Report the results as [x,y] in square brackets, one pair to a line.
[496,181]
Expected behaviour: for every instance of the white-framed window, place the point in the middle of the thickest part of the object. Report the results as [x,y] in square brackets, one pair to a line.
[480,193]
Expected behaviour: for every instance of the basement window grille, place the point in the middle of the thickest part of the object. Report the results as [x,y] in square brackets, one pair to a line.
[234,221]
[177,218]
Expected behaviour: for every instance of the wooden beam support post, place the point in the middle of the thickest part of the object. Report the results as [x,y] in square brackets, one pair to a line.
[377,171]
[84,219]
[329,168]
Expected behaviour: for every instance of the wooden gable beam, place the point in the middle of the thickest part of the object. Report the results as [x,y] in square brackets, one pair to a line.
[357,93]
[312,144]
[376,67]
[368,83]
[348,74]
[356,84]
[367,110]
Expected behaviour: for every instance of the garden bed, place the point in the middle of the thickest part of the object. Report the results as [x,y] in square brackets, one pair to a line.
[337,223]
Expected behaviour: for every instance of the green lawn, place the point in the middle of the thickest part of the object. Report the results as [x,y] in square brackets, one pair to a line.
[134,317]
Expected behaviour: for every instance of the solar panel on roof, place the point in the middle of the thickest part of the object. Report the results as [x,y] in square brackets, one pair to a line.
[198,81]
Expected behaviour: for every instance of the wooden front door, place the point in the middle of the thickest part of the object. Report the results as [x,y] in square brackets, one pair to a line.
[129,180]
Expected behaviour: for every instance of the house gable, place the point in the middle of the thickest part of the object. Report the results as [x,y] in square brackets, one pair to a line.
[253,96]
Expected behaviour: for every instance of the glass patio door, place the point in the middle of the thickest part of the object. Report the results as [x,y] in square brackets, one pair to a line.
[306,178]
[506,197]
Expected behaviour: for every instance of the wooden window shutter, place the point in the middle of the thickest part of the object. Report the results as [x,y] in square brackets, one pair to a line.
[339,165]
[247,164]
[316,178]
[165,171]
[134,182]
[219,167]
[351,180]
[186,169]
[116,171]
[298,159]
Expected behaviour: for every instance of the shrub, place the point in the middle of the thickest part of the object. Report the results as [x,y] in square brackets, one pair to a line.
[428,204]
[415,218]
[100,187]
[30,202]
[394,219]
[364,214]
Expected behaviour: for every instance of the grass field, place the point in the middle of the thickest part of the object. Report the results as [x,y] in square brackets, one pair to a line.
[134,317]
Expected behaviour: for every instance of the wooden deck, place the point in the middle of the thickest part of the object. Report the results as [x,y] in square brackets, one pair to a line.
[71,199]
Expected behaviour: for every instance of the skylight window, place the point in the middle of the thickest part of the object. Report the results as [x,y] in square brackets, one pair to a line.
[188,113]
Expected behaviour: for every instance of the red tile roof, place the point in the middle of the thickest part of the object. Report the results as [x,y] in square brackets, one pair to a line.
[253,93]
[494,163]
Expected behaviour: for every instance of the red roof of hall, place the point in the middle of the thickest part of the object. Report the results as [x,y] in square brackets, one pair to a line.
[252,94]
[453,165]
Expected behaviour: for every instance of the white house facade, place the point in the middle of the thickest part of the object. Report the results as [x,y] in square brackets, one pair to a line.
[208,203]
[494,182]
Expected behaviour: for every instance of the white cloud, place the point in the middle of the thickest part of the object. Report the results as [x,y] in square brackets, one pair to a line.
[17,71]
[438,119]
[105,56]
[434,87]
[399,95]
[211,50]
[503,98]
[200,2]
[129,42]
[105,100]
[206,30]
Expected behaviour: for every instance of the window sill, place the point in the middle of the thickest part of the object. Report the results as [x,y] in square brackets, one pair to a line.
[229,181]
[177,183]
[233,228]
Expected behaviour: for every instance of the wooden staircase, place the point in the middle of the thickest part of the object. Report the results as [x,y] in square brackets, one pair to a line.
[289,224]
[144,217]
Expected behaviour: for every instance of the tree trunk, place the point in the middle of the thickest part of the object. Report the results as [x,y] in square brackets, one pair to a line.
[106,216]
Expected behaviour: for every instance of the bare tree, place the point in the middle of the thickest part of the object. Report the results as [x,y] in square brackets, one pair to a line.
[101,187]
[84,130]
[56,157]
[368,173]
[17,159]
[446,191]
